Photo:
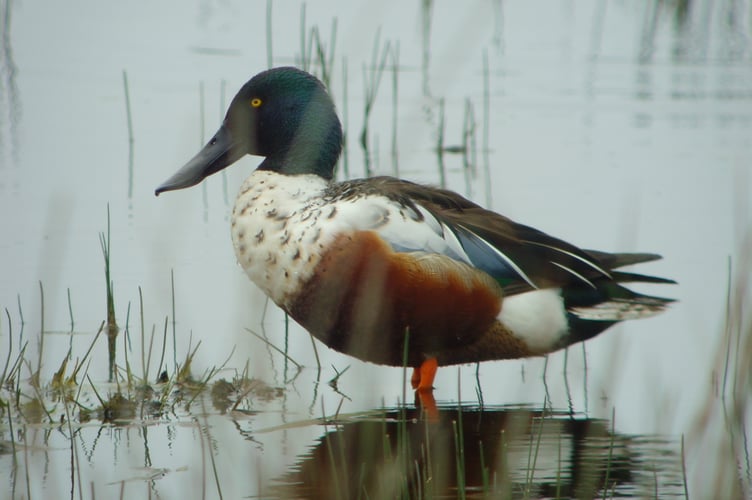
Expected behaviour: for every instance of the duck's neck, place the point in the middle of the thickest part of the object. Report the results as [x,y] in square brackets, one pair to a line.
[309,147]
[299,161]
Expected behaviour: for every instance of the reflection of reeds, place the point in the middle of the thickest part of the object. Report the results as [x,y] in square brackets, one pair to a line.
[222,106]
[736,393]
[486,120]
[269,38]
[315,52]
[129,121]
[311,45]
[395,102]
[440,147]
[372,74]
[729,406]
[469,148]
[426,12]
[458,430]
[202,141]
[345,122]
[466,148]
[606,486]
[684,469]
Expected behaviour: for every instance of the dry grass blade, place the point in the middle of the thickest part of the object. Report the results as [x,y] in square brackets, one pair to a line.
[272,346]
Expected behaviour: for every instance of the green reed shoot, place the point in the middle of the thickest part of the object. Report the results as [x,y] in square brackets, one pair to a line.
[36,374]
[127,347]
[610,450]
[174,322]
[80,363]
[164,346]
[10,348]
[144,373]
[112,327]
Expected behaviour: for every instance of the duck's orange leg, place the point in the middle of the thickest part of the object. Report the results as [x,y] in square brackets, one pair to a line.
[422,382]
[422,379]
[425,400]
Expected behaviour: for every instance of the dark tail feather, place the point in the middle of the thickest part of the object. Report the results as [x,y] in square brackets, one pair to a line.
[622,277]
[614,260]
[589,311]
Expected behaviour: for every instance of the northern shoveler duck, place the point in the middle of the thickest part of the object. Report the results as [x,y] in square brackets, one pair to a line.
[372,267]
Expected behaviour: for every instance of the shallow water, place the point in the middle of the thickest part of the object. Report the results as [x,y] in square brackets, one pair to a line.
[613,125]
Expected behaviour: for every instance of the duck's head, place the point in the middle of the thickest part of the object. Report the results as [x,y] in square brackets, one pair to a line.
[284,114]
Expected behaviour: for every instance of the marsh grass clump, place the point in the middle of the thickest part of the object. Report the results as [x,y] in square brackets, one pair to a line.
[33,410]
[127,396]
[230,395]
[117,408]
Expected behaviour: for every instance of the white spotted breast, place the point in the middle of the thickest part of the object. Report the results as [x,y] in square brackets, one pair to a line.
[277,228]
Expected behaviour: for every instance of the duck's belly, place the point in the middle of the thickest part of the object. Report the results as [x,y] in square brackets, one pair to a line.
[370,302]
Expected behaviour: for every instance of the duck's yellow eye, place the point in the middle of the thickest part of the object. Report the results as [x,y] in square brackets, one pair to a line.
[256,102]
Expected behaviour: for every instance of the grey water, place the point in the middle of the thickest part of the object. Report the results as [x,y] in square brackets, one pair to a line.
[620,126]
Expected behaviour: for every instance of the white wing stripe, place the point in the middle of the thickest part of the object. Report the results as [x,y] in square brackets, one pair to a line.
[429,219]
[573,255]
[506,259]
[576,274]
[454,243]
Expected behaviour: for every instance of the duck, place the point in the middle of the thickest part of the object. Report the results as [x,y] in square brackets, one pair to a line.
[394,272]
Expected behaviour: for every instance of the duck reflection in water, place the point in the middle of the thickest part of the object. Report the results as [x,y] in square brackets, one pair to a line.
[501,452]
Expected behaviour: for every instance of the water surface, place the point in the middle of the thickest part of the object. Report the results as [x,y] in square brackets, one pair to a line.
[617,126]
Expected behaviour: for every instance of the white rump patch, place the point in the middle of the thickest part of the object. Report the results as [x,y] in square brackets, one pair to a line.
[538,318]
